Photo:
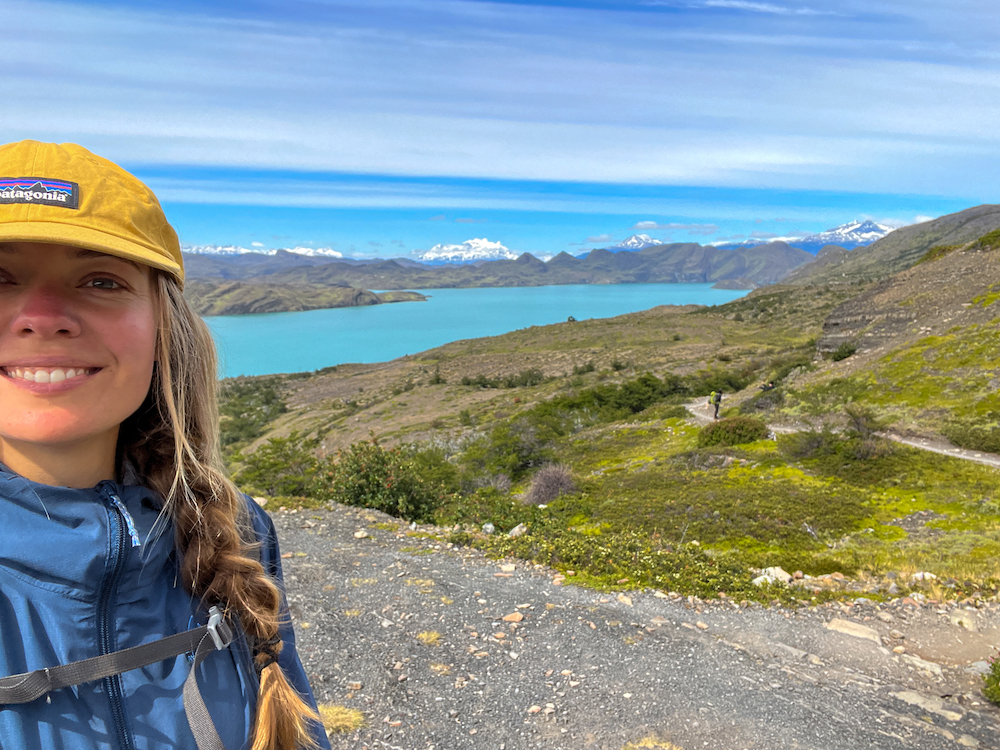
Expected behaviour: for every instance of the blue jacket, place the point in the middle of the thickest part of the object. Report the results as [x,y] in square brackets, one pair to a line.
[81,575]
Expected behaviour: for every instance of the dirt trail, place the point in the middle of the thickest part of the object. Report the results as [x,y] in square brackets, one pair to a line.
[701,413]
[443,648]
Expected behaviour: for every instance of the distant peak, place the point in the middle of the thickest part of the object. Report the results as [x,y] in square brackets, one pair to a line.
[469,251]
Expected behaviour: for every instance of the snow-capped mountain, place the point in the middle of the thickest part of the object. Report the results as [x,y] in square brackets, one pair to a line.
[313,252]
[850,235]
[469,251]
[635,242]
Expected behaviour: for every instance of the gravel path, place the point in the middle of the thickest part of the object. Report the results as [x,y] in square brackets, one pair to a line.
[443,648]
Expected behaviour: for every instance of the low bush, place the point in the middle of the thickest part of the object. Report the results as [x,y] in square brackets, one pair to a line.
[845,350]
[246,407]
[386,479]
[486,505]
[972,436]
[732,431]
[548,483]
[991,680]
[584,369]
[522,379]
[281,466]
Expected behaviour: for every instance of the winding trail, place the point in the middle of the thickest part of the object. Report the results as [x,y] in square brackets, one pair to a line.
[701,413]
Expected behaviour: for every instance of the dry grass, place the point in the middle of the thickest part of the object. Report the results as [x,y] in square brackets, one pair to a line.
[651,743]
[340,719]
[429,637]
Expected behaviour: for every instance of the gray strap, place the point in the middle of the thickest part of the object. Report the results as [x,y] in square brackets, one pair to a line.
[30,686]
[202,727]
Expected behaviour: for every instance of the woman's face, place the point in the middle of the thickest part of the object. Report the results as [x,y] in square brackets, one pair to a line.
[77,342]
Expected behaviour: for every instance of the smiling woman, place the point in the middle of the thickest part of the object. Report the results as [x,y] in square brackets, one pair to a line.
[109,465]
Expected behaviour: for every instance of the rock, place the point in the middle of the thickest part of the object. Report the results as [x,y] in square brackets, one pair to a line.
[884,616]
[517,531]
[931,704]
[893,589]
[513,617]
[261,501]
[702,625]
[896,634]
[489,528]
[854,629]
[626,600]
[508,567]
[922,665]
[362,534]
[354,686]
[967,741]
[534,709]
[798,575]
[978,667]
[777,573]
[923,576]
[964,619]
[898,650]
[660,595]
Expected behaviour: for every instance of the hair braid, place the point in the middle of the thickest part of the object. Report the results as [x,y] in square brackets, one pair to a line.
[173,443]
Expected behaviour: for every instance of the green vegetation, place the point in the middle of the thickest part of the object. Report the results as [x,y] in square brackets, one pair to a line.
[733,431]
[246,407]
[522,379]
[224,297]
[845,350]
[991,688]
[936,253]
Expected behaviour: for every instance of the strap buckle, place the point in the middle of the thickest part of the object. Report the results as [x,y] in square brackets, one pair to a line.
[222,634]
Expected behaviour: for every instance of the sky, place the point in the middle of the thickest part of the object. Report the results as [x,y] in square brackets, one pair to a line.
[385,127]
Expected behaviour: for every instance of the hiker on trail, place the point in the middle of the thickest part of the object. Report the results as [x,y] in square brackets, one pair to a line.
[716,402]
[121,530]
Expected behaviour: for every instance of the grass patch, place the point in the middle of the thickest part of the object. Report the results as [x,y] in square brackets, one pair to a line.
[429,637]
[340,719]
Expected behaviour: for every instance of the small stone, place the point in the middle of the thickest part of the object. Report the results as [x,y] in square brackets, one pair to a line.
[898,650]
[574,683]
[500,635]
[967,741]
[566,672]
[626,600]
[896,634]
[923,576]
[923,665]
[261,501]
[701,625]
[884,616]
[517,531]
[489,528]
[361,534]
[513,655]
[354,686]
[854,629]
[798,575]
[401,678]
[513,617]
[508,567]
[627,695]
[534,709]
[660,595]
[893,589]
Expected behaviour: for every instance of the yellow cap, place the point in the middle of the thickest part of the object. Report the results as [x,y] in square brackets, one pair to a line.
[62,193]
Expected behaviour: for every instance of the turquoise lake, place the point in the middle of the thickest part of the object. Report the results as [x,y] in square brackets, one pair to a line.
[301,341]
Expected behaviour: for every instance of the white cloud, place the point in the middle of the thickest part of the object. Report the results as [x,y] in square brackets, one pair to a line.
[256,244]
[600,238]
[780,10]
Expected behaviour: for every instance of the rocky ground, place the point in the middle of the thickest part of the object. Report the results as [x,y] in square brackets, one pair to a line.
[441,648]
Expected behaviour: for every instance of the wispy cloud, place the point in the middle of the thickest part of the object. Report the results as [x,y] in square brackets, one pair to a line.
[600,238]
[694,229]
[778,10]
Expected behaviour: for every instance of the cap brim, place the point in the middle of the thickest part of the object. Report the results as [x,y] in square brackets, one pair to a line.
[88,239]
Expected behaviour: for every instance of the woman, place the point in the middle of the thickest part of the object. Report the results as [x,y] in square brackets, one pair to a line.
[119,527]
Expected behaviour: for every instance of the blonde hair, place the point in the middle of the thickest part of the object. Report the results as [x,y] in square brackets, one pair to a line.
[172,443]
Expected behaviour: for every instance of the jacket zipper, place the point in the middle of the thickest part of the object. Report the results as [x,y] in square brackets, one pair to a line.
[119,521]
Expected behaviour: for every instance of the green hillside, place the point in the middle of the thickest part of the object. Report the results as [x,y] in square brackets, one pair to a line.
[261,296]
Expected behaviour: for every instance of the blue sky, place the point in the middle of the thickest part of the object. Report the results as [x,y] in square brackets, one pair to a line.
[383,127]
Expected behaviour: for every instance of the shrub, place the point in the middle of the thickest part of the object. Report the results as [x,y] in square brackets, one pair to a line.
[522,379]
[246,407]
[973,437]
[991,688]
[990,240]
[511,448]
[282,466]
[583,369]
[733,431]
[385,479]
[617,365]
[436,378]
[550,482]
[845,350]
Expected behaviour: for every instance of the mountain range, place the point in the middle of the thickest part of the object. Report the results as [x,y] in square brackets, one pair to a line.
[848,236]
[744,268]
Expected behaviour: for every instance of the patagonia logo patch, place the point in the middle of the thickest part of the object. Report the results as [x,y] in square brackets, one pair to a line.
[39,190]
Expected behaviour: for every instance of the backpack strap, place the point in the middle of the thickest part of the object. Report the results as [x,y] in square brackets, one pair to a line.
[215,636]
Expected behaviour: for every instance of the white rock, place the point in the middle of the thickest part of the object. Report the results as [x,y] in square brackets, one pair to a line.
[930,703]
[922,665]
[964,619]
[923,576]
[488,528]
[854,629]
[777,573]
[517,531]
